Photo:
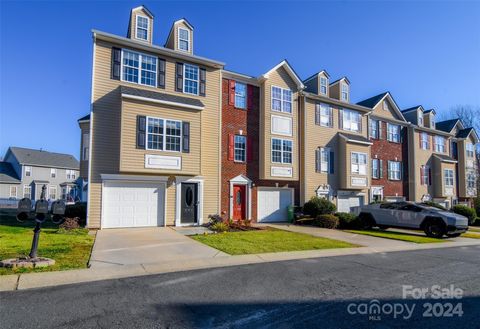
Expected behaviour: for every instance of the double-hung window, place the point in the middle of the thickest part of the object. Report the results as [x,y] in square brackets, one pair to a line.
[164,135]
[70,174]
[424,141]
[139,68]
[142,28]
[425,175]
[376,168]
[53,172]
[240,95]
[326,115]
[183,39]
[323,85]
[190,81]
[359,163]
[28,171]
[471,181]
[394,170]
[324,159]
[52,192]
[240,148]
[344,92]
[85,146]
[439,144]
[351,120]
[393,133]
[448,177]
[27,191]
[13,191]
[420,119]
[470,148]
[374,131]
[281,150]
[281,100]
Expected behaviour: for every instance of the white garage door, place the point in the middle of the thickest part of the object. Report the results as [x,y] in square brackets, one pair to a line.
[346,203]
[128,204]
[272,204]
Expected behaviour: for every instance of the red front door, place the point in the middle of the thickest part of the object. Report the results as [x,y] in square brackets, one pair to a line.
[239,201]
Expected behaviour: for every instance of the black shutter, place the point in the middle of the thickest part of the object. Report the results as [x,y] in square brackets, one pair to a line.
[318,156]
[141,127]
[179,77]
[186,137]
[161,73]
[116,63]
[317,114]
[203,81]
[332,162]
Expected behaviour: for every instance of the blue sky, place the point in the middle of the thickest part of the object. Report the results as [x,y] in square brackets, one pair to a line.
[422,52]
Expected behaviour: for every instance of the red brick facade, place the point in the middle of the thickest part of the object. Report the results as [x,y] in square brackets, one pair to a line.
[389,151]
[235,120]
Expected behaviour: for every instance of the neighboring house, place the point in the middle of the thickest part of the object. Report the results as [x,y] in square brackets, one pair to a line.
[387,130]
[25,171]
[155,129]
[84,124]
[335,157]
[260,144]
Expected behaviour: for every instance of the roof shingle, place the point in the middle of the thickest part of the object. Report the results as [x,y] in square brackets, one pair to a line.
[7,174]
[44,158]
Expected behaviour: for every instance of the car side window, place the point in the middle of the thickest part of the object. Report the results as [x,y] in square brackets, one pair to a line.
[411,207]
[389,206]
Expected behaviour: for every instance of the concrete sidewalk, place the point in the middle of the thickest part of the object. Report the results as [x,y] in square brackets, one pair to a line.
[116,271]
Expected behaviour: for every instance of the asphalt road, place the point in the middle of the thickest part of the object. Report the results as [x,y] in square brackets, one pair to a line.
[334,292]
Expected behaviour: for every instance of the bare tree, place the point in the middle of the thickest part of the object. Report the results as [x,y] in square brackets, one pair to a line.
[470,115]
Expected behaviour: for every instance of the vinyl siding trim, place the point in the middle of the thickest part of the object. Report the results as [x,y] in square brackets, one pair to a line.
[146,99]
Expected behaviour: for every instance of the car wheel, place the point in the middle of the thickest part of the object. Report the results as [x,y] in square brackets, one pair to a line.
[383,227]
[455,235]
[366,221]
[435,229]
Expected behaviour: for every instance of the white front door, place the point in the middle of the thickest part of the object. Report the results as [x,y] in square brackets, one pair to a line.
[272,204]
[346,203]
[133,204]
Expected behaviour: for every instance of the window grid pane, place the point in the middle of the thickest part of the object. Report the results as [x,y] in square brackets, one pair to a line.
[173,135]
[276,150]
[190,85]
[155,134]
[240,148]
[240,95]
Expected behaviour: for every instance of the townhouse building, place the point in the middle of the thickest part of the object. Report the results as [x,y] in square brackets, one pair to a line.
[173,137]
[260,144]
[23,173]
[387,130]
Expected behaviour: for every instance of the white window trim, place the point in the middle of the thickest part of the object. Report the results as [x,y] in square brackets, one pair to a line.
[180,39]
[329,115]
[326,170]
[50,188]
[377,161]
[471,178]
[164,134]
[16,191]
[426,175]
[139,82]
[390,139]
[321,85]
[467,147]
[426,141]
[377,130]
[185,79]
[29,188]
[437,138]
[366,164]
[53,172]
[30,170]
[235,149]
[244,96]
[344,111]
[136,28]
[71,172]
[445,177]
[281,150]
[282,110]
[343,84]
[390,171]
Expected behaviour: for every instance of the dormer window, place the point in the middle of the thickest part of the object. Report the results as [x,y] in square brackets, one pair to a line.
[183,39]
[323,85]
[344,95]
[432,122]
[420,119]
[142,28]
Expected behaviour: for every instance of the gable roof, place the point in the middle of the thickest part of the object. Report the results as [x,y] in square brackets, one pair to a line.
[464,133]
[181,20]
[289,70]
[413,108]
[445,158]
[428,111]
[144,8]
[317,74]
[373,101]
[337,81]
[44,158]
[7,174]
[84,118]
[446,125]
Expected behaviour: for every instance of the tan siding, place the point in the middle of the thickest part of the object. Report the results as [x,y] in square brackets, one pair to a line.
[387,114]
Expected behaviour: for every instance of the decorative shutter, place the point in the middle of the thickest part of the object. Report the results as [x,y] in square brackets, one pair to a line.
[203,82]
[116,63]
[330,114]
[340,119]
[380,166]
[161,73]
[317,114]
[318,157]
[179,77]
[360,125]
[332,162]
[420,140]
[141,127]
[401,170]
[380,129]
[186,137]
[231,92]
[250,97]
[231,147]
[429,176]
[402,131]
[249,149]
[422,173]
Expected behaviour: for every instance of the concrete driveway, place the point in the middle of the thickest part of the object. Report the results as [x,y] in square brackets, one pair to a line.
[132,246]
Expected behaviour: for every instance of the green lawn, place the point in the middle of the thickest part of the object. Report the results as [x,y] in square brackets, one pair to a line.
[398,236]
[269,240]
[69,249]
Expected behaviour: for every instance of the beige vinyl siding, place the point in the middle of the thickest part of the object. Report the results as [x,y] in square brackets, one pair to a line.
[334,91]
[279,78]
[106,132]
[133,24]
[347,175]
[438,178]
[387,114]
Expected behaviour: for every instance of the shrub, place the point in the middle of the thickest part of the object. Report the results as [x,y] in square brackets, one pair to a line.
[468,212]
[213,219]
[79,210]
[69,224]
[476,205]
[326,221]
[434,204]
[318,206]
[347,221]
[219,227]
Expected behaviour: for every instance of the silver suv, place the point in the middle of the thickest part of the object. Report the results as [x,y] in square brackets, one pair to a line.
[433,221]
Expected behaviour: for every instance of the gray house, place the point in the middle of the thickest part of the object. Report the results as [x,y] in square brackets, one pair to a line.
[23,173]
